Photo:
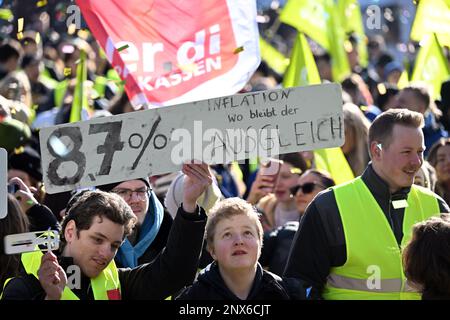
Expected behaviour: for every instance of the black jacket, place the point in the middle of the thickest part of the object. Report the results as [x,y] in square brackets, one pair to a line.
[266,286]
[41,218]
[277,244]
[174,269]
[319,244]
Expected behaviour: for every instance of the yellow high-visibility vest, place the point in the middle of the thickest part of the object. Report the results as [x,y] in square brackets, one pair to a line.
[106,286]
[374,268]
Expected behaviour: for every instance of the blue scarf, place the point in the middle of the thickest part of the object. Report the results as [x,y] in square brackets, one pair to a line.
[128,255]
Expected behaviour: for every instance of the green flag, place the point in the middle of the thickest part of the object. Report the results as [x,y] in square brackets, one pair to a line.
[6,14]
[351,18]
[333,160]
[431,66]
[321,21]
[275,59]
[302,68]
[432,16]
[80,100]
[308,17]
[336,38]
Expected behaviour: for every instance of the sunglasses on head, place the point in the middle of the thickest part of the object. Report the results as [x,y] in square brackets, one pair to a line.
[306,187]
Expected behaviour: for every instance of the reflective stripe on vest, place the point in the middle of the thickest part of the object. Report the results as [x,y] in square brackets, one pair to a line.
[373,268]
[106,286]
[4,286]
[386,285]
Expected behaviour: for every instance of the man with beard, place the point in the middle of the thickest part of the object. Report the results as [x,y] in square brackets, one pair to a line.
[349,244]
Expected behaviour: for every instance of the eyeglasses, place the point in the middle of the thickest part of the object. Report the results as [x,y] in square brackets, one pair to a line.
[126,194]
[306,188]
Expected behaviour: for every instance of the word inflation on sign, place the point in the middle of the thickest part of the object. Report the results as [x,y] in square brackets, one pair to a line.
[215,131]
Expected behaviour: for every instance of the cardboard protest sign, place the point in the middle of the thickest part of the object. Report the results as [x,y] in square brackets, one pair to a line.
[174,51]
[220,130]
[3,183]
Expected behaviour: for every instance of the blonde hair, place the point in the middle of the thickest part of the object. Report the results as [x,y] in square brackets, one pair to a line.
[226,209]
[358,158]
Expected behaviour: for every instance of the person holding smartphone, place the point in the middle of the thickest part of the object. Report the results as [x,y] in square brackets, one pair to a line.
[40,216]
[277,243]
[271,192]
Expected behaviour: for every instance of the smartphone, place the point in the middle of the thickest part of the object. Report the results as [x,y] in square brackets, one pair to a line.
[270,167]
[12,188]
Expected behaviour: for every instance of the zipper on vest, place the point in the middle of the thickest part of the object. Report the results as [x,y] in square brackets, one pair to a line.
[402,288]
[89,287]
[391,223]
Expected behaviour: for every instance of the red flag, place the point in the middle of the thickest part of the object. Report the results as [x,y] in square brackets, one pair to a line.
[177,51]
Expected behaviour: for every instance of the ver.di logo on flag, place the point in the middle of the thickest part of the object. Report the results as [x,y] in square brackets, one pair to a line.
[175,48]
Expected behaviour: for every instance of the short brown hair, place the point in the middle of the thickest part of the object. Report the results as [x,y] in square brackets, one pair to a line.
[426,258]
[383,125]
[421,91]
[99,204]
[226,209]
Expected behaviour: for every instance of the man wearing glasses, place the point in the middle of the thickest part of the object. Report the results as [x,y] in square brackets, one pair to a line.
[150,234]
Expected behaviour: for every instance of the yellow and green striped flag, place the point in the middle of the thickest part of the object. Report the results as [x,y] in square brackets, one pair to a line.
[80,99]
[302,68]
[431,66]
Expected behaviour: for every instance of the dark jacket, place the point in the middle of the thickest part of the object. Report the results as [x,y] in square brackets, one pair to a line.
[266,286]
[433,130]
[319,244]
[160,241]
[277,244]
[174,269]
[41,218]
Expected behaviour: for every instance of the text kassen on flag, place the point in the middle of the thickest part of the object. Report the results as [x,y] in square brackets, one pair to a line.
[174,51]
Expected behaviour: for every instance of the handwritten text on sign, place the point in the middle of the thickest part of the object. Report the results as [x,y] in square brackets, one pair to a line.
[219,130]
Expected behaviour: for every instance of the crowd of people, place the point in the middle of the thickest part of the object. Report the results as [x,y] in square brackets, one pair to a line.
[231,232]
